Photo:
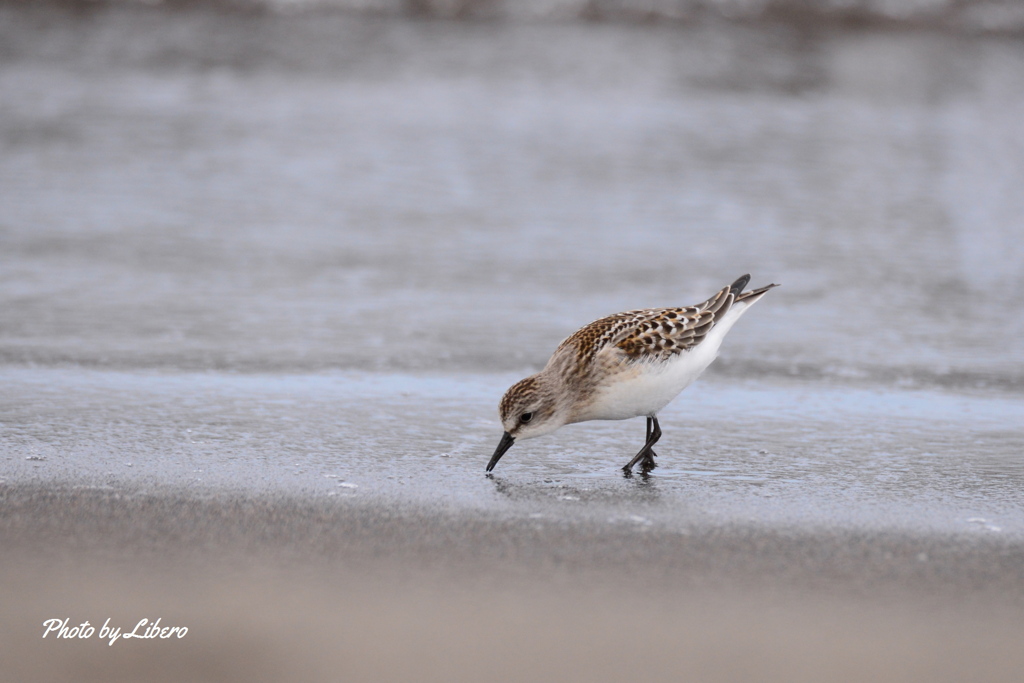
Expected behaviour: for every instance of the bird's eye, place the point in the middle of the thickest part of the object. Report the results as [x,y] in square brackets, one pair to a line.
[526,417]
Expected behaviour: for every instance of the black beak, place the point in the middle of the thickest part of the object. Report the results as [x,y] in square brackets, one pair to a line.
[506,443]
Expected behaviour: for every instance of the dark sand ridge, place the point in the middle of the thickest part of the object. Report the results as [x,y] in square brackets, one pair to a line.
[279,588]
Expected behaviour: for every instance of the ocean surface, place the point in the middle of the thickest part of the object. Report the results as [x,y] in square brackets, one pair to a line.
[307,250]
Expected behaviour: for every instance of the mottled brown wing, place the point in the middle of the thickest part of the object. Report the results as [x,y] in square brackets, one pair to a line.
[653,333]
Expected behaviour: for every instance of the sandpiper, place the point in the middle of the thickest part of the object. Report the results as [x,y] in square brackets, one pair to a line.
[626,365]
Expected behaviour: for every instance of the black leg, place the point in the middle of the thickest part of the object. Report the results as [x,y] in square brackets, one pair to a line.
[648,464]
[647,452]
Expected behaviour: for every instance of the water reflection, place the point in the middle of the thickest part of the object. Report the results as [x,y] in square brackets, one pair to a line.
[639,489]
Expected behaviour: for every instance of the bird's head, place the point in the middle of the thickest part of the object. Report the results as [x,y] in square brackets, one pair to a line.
[528,409]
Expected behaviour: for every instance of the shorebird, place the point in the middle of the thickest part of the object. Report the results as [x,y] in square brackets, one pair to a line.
[627,365]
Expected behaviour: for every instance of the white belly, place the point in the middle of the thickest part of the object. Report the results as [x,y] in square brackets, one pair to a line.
[646,388]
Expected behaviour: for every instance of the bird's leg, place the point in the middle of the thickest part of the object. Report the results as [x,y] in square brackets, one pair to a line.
[648,464]
[647,452]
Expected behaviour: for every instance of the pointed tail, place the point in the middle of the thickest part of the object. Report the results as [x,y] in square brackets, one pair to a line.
[747,297]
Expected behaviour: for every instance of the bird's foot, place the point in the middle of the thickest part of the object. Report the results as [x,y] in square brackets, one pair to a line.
[648,464]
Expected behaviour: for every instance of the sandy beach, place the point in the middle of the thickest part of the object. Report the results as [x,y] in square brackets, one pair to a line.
[266,271]
[274,588]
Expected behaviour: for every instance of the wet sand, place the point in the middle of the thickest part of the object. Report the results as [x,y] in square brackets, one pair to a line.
[274,588]
[301,530]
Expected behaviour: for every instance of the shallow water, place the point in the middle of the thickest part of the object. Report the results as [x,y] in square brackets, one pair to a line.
[750,452]
[326,244]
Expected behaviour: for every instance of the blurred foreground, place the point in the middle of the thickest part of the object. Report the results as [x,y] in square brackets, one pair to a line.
[278,589]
